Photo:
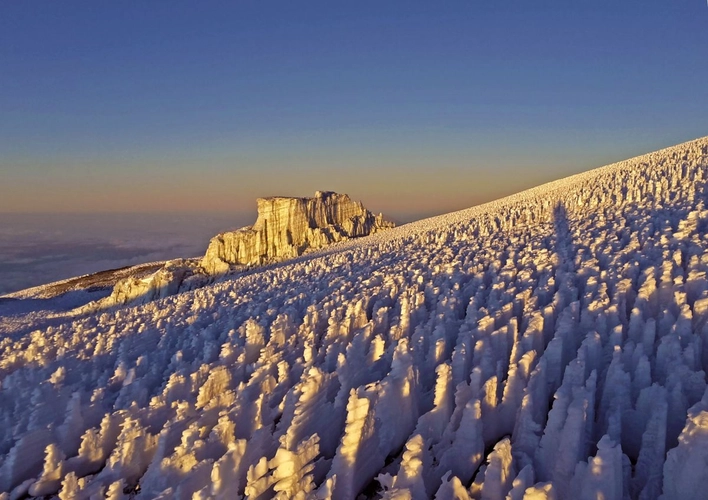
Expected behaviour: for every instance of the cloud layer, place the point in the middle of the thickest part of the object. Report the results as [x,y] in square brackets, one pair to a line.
[41,248]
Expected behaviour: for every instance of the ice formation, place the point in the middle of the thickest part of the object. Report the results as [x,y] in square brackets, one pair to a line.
[552,344]
[287,227]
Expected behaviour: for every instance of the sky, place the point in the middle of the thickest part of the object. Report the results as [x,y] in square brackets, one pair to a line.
[412,107]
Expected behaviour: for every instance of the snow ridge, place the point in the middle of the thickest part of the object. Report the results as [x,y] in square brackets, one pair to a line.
[550,344]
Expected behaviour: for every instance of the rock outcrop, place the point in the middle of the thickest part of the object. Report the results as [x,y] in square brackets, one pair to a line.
[288,227]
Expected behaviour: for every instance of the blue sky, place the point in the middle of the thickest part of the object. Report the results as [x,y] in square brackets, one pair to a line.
[412,107]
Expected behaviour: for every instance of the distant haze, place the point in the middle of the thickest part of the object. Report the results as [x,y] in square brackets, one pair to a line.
[40,248]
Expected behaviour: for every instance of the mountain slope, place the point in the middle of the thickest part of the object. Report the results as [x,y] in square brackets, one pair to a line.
[552,342]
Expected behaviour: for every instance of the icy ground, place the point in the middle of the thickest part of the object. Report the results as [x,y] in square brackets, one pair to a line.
[552,344]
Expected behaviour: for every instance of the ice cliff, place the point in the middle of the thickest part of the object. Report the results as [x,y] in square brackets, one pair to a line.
[287,227]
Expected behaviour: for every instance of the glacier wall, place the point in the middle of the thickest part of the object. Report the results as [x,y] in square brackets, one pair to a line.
[287,227]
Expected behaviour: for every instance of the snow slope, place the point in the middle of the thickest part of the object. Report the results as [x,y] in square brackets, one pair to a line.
[552,344]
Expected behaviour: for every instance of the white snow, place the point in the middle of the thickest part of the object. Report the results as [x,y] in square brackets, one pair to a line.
[552,344]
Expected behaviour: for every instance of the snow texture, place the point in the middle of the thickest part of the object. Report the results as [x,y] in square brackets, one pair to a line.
[552,344]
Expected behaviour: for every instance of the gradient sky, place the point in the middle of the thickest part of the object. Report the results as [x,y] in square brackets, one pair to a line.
[412,107]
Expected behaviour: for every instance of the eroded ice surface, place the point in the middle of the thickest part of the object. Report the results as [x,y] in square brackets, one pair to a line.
[552,344]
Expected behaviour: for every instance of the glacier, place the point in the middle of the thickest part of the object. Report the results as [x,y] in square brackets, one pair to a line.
[551,344]
[286,227]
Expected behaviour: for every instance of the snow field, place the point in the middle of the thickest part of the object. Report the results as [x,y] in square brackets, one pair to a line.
[552,344]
